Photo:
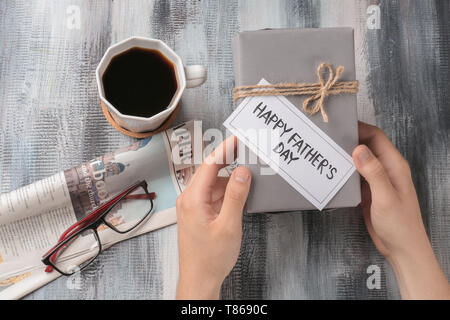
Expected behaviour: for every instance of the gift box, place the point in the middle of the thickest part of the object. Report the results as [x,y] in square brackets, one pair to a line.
[292,55]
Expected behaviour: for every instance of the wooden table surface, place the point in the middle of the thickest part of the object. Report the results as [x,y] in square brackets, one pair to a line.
[50,119]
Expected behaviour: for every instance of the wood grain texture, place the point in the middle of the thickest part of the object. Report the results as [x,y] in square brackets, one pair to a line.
[50,120]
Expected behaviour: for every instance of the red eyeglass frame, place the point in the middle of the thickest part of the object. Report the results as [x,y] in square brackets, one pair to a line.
[93,220]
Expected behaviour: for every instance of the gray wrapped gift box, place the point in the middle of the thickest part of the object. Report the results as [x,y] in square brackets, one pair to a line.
[293,55]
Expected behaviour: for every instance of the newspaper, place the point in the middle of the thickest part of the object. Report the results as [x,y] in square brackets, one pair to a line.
[33,217]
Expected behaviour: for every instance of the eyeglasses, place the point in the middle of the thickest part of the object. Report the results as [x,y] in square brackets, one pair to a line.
[80,244]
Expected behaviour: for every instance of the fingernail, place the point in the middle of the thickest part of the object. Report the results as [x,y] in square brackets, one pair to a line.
[241,175]
[363,154]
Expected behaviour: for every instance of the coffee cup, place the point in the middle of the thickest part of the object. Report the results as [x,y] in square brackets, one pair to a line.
[119,84]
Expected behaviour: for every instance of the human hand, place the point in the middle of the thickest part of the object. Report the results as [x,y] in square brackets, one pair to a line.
[392,216]
[209,214]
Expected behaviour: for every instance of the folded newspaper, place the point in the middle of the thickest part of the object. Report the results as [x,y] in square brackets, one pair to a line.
[33,217]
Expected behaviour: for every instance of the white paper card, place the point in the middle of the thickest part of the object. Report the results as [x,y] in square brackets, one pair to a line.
[292,145]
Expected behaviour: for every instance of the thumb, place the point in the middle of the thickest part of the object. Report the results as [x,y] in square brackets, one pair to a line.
[375,174]
[235,196]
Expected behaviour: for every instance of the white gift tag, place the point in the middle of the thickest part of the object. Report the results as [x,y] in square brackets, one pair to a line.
[292,145]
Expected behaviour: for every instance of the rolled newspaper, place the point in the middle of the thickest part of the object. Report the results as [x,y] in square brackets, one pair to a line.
[33,217]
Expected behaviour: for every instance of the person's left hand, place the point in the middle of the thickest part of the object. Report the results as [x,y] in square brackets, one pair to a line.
[209,214]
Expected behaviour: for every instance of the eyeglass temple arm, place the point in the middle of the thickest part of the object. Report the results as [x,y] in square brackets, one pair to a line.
[141,196]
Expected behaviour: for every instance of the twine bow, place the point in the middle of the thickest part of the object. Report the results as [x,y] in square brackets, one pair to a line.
[318,91]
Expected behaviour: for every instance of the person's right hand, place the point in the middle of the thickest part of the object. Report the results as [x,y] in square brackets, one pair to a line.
[392,215]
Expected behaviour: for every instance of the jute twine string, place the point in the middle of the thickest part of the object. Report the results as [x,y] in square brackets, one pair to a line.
[318,91]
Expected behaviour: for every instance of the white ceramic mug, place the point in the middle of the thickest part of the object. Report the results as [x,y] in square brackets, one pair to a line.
[187,77]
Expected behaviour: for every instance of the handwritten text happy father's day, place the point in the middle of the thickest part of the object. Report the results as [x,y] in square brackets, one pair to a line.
[295,148]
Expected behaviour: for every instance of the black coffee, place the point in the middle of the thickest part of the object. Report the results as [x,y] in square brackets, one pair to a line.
[140,82]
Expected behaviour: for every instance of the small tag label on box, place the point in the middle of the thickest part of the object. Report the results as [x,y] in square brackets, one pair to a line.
[292,145]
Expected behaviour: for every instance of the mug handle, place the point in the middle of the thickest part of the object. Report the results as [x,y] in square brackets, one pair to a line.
[195,75]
